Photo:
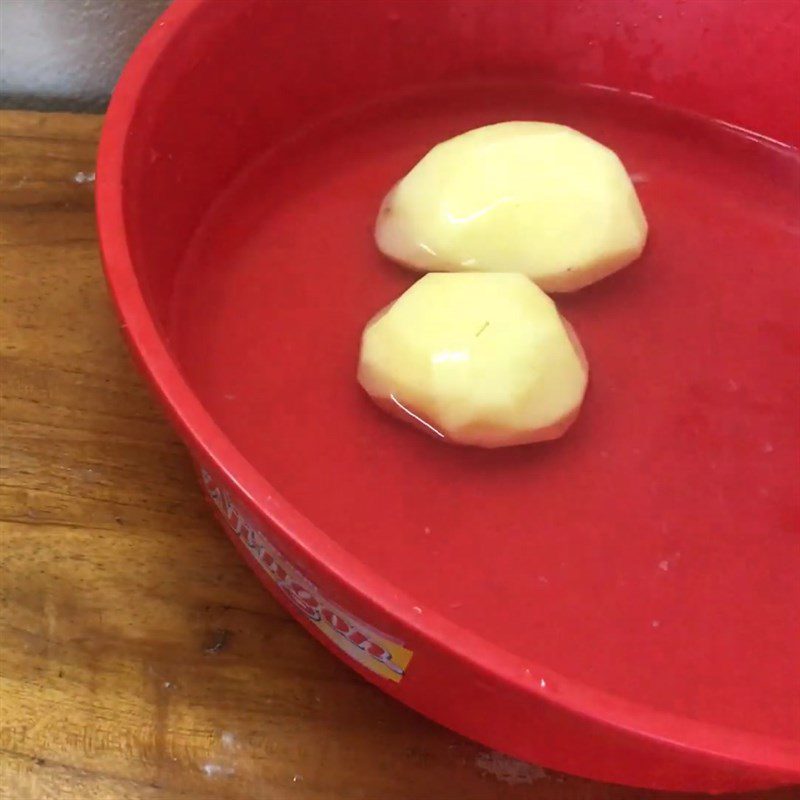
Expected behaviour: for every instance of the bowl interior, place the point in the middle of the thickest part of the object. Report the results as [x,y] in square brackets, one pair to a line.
[653,552]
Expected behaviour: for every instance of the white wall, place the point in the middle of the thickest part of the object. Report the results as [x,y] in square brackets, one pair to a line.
[67,53]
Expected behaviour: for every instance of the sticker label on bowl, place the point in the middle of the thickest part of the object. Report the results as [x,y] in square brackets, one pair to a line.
[370,648]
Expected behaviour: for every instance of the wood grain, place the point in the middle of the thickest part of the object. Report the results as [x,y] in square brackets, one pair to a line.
[140,659]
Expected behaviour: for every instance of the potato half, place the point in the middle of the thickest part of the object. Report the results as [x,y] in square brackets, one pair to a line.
[475,358]
[529,197]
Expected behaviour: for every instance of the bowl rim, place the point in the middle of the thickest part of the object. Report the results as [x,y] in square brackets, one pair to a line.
[666,730]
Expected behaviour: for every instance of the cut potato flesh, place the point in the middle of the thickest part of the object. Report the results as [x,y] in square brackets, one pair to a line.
[475,358]
[529,197]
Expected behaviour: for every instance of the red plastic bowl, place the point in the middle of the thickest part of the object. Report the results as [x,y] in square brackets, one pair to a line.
[622,603]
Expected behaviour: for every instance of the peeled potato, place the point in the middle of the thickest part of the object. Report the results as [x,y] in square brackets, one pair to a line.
[475,358]
[529,197]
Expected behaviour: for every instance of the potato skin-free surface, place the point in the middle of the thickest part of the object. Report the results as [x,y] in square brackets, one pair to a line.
[480,359]
[530,197]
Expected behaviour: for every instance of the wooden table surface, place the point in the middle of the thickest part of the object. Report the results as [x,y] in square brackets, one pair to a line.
[129,671]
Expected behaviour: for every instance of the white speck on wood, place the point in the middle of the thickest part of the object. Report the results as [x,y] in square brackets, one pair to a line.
[84,177]
[216,770]
[228,739]
[507,769]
